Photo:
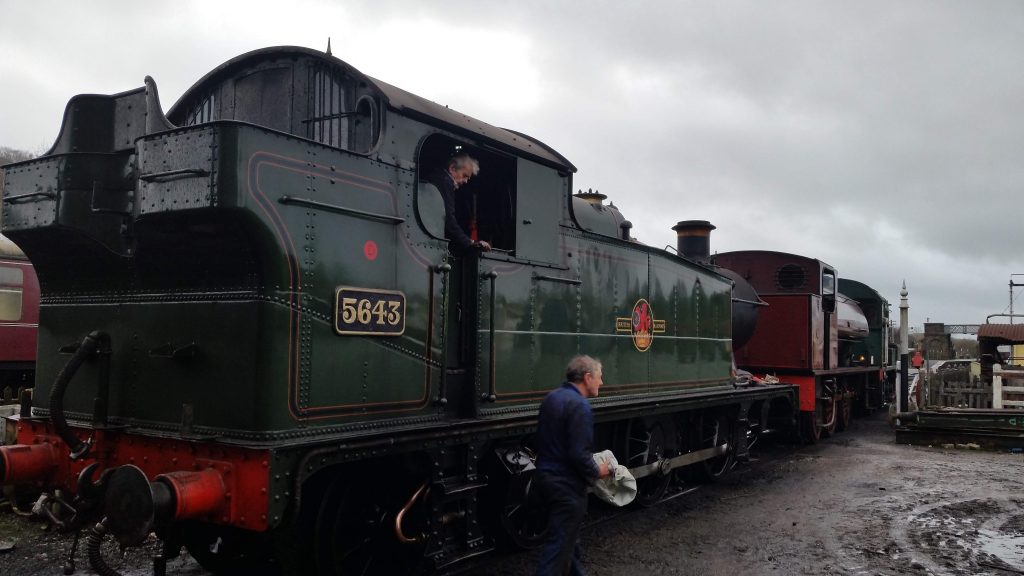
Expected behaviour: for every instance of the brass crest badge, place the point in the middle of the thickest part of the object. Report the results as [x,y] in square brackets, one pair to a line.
[641,325]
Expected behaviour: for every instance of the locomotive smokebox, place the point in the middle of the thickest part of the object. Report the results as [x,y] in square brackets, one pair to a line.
[694,239]
[745,305]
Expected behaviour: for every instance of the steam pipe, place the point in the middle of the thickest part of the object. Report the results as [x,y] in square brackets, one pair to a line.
[399,533]
[88,347]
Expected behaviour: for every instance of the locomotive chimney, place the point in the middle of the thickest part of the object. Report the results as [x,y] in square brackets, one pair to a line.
[592,196]
[694,239]
[625,226]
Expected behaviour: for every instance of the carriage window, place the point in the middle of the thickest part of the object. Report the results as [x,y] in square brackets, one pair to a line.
[10,304]
[11,276]
[11,280]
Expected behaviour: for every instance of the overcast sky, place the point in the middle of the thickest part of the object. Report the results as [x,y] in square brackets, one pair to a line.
[885,138]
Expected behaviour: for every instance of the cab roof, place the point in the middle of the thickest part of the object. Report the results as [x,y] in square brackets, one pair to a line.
[396,99]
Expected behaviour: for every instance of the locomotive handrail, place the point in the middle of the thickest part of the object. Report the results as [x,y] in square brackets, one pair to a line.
[442,387]
[571,281]
[175,174]
[16,197]
[751,302]
[340,209]
[491,395]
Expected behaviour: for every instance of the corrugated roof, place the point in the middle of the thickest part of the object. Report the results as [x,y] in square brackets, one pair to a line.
[1013,333]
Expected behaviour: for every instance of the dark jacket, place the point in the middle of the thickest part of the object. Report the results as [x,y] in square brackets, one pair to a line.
[565,436]
[461,242]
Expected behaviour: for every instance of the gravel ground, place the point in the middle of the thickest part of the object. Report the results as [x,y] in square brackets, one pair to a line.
[857,503]
[854,504]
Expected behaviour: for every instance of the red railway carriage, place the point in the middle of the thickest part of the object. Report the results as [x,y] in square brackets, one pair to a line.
[800,336]
[19,320]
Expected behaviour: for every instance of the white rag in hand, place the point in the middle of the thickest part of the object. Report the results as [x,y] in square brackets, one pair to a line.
[618,488]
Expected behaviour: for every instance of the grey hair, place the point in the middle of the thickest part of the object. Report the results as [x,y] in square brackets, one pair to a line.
[461,160]
[579,366]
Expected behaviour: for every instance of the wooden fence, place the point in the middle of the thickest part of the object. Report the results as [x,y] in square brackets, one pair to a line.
[957,389]
[961,389]
[1007,387]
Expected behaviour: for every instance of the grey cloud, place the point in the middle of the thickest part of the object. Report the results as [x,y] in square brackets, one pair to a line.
[884,138]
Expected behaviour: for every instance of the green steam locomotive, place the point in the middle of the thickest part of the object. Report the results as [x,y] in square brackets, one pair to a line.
[255,341]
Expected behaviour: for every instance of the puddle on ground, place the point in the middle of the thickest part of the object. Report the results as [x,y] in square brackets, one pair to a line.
[1007,546]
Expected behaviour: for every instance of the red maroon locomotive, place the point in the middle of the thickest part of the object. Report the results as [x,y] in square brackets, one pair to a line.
[811,335]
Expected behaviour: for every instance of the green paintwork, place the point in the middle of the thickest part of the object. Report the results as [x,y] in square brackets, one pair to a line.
[876,311]
[226,242]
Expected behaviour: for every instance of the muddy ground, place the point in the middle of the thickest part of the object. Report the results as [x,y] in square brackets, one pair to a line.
[854,504]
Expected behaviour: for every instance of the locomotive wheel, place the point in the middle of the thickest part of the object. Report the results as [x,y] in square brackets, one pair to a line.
[844,414]
[645,444]
[829,414]
[229,552]
[523,516]
[713,431]
[353,532]
[753,434]
[756,418]
[810,430]
[512,502]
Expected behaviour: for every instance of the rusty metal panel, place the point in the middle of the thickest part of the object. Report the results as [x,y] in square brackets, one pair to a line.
[781,339]
[1008,332]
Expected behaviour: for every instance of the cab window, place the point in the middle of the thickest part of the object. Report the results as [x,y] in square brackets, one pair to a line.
[488,201]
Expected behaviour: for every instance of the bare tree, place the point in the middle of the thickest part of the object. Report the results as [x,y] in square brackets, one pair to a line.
[9,156]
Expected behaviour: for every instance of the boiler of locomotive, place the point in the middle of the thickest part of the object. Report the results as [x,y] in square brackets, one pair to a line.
[694,242]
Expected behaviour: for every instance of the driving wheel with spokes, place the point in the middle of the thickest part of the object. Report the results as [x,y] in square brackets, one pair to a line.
[810,429]
[715,430]
[844,413]
[352,531]
[647,442]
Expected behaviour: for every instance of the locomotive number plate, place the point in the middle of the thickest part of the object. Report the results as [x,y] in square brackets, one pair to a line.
[369,312]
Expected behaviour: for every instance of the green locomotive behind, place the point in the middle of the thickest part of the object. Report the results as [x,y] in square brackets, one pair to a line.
[252,332]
